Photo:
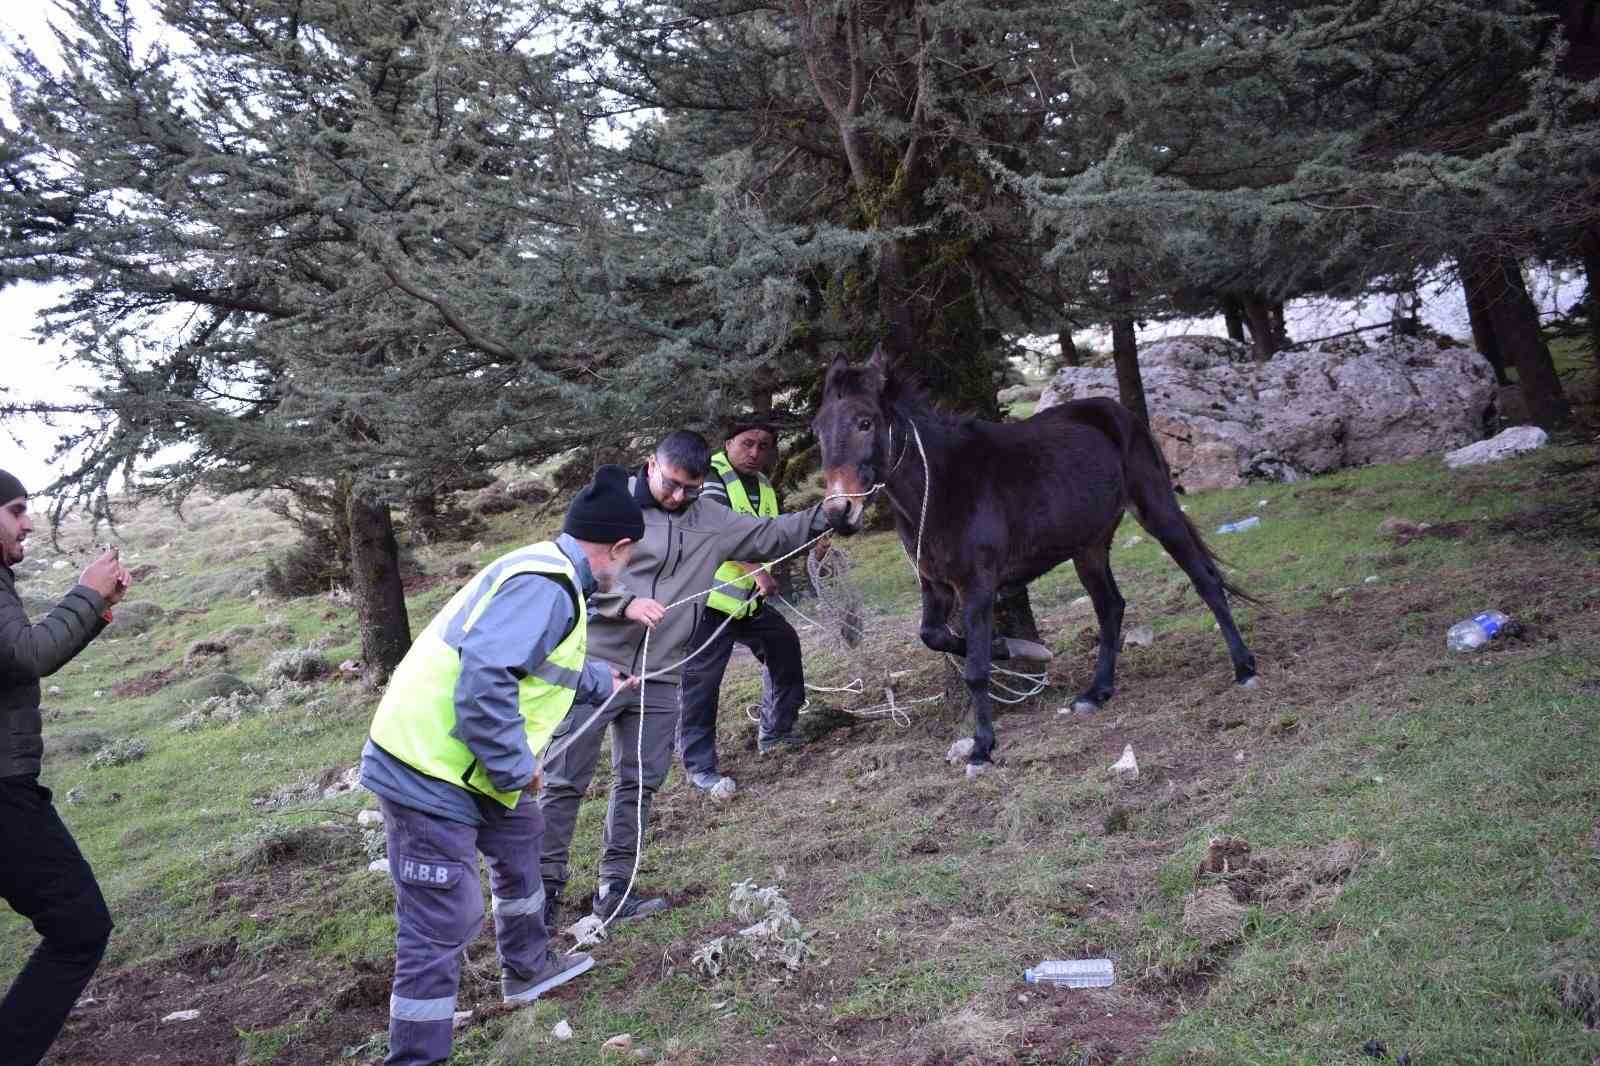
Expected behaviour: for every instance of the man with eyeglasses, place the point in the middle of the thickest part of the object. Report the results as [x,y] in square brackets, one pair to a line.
[685,540]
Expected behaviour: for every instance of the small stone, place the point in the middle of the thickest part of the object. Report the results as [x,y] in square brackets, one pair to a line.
[75,795]
[1238,756]
[619,1044]
[59,564]
[99,694]
[562,1030]
[590,929]
[1128,766]
[460,1019]
[1261,503]
[1370,580]
[644,1052]
[379,866]
[182,1016]
[779,873]
[53,690]
[1138,636]
[369,818]
[1133,541]
[959,751]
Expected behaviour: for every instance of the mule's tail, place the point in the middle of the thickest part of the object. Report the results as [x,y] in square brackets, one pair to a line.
[1155,504]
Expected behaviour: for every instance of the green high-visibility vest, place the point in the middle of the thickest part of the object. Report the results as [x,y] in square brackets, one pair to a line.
[416,719]
[739,599]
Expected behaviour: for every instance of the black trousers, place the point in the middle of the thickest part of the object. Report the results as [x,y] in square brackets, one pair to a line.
[773,641]
[44,877]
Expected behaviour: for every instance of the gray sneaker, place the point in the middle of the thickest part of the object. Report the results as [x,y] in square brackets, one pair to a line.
[719,787]
[557,971]
[778,744]
[610,894]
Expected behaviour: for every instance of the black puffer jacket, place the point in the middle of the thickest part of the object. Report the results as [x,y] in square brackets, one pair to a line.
[29,652]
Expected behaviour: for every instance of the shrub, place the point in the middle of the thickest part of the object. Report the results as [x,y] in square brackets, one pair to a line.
[117,753]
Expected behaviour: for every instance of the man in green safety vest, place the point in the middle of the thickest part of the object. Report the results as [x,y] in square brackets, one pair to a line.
[739,482]
[452,757]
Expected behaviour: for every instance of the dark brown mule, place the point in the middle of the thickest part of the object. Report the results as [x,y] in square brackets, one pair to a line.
[1007,502]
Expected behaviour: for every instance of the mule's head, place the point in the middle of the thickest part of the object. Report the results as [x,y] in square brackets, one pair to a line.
[852,426]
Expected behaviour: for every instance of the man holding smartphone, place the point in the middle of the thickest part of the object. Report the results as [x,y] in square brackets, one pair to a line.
[44,876]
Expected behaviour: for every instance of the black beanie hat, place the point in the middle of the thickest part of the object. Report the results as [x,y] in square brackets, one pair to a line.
[10,488]
[605,511]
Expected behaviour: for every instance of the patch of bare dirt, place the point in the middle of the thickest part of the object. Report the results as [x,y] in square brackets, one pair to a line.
[146,683]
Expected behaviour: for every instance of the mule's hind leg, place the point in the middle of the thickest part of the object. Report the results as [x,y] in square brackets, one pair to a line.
[1178,535]
[1094,570]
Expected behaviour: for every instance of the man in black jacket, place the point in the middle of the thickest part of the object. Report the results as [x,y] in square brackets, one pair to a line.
[43,876]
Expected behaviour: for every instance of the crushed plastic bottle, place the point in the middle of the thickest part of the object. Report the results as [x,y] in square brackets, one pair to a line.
[1476,631]
[1240,525]
[1071,973]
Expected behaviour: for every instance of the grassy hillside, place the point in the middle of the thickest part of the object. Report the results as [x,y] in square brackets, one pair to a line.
[1423,828]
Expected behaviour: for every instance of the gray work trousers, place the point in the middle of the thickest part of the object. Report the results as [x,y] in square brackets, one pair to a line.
[439,910]
[567,775]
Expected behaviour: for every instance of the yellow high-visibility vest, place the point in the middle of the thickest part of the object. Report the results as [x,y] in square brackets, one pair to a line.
[417,715]
[739,599]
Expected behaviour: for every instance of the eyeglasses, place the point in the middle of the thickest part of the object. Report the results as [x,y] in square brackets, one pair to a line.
[671,486]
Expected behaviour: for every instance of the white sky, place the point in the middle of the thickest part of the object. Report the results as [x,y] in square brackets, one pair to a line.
[29,368]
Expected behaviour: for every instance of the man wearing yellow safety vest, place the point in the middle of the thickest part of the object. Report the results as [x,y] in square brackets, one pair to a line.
[661,596]
[739,483]
[452,759]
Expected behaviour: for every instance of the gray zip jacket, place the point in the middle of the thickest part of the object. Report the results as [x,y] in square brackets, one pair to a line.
[679,556]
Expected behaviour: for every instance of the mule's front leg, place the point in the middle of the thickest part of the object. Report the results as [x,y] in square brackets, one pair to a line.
[977,624]
[937,600]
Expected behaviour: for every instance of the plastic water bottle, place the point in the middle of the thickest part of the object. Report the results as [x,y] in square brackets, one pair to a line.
[1240,525]
[1476,631]
[1073,973]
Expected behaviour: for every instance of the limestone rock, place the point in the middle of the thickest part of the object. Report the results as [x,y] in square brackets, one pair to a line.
[562,1030]
[1302,412]
[1126,767]
[1502,445]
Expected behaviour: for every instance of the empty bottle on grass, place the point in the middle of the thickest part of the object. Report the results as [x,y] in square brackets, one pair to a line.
[1072,973]
[1242,524]
[1476,631]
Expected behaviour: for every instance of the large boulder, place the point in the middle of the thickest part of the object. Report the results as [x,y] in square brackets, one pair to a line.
[1302,412]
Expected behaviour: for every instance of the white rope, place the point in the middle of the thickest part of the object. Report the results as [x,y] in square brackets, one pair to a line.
[638,850]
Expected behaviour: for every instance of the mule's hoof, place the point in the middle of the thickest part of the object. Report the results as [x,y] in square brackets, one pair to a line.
[959,751]
[1027,650]
[1253,681]
[1083,706]
[977,769]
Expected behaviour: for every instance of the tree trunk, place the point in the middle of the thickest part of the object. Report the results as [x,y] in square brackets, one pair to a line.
[375,585]
[1233,318]
[1069,349]
[1483,337]
[1263,337]
[1499,282]
[1591,269]
[1280,332]
[1125,347]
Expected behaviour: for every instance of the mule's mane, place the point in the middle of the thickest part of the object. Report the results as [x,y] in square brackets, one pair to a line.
[906,394]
